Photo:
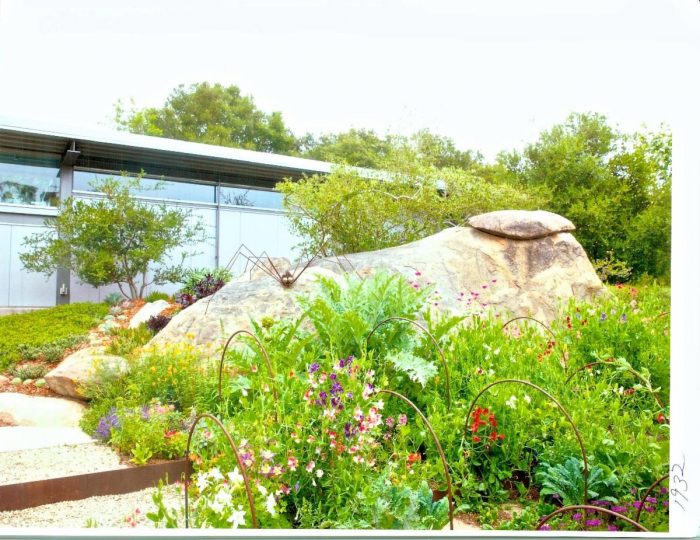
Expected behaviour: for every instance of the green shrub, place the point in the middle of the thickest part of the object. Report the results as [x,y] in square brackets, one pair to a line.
[60,326]
[127,340]
[113,298]
[194,276]
[28,371]
[157,295]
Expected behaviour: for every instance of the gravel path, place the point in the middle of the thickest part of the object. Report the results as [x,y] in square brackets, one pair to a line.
[44,463]
[107,511]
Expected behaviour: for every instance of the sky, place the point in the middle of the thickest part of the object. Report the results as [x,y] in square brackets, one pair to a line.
[491,74]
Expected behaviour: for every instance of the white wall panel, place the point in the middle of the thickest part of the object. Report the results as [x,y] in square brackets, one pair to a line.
[28,289]
[5,256]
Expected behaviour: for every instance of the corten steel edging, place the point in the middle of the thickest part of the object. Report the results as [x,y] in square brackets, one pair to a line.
[81,486]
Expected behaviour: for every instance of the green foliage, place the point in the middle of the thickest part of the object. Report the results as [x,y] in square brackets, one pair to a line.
[348,211]
[126,340]
[34,334]
[567,482]
[28,371]
[114,239]
[211,114]
[418,369]
[343,315]
[614,187]
[113,299]
[194,276]
[612,270]
[157,295]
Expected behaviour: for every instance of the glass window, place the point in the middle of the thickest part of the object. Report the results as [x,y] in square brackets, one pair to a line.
[258,198]
[26,180]
[169,189]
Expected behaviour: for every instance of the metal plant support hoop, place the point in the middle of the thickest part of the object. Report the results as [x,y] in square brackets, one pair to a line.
[241,466]
[647,493]
[270,372]
[559,406]
[450,502]
[590,508]
[612,364]
[435,343]
[530,319]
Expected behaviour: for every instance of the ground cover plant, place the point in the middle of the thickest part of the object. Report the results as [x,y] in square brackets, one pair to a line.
[45,334]
[573,414]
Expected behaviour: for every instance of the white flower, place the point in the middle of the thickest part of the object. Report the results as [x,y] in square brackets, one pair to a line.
[380,404]
[511,402]
[319,472]
[235,477]
[202,482]
[262,490]
[527,399]
[221,501]
[270,504]
[215,474]
[266,454]
[237,517]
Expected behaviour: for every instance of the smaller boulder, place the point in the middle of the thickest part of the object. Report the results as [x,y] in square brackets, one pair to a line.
[521,224]
[83,367]
[151,309]
[3,380]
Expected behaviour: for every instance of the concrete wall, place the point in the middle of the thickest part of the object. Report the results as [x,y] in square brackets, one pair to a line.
[19,288]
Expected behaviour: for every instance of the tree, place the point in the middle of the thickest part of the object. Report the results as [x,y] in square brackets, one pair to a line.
[212,114]
[604,181]
[364,148]
[114,239]
[349,211]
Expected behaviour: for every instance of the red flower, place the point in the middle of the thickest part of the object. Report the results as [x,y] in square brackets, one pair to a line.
[661,418]
[476,438]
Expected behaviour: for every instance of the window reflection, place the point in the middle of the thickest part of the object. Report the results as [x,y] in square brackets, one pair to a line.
[22,182]
[257,198]
[152,187]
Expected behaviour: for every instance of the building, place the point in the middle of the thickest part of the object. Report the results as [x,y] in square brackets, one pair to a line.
[230,189]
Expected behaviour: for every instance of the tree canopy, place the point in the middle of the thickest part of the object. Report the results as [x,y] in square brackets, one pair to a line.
[211,114]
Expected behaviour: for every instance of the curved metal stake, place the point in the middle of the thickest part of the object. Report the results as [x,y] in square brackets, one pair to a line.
[588,507]
[561,408]
[439,449]
[435,342]
[648,492]
[241,466]
[265,356]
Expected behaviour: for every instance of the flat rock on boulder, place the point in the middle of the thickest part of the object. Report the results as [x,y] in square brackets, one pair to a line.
[471,270]
[82,367]
[521,224]
[151,309]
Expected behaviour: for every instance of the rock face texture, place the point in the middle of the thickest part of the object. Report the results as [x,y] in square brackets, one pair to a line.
[151,309]
[81,367]
[521,224]
[23,410]
[469,268]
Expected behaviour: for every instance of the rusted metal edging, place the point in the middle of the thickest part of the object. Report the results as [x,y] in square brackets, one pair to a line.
[81,486]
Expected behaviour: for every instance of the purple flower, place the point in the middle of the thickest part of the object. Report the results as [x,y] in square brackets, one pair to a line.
[322,398]
[652,500]
[664,491]
[546,527]
[612,528]
[600,503]
[576,516]
[649,508]
[619,509]
[336,388]
[623,318]
[603,316]
[665,503]
[106,424]
[296,487]
[389,421]
[593,523]
[336,403]
[145,412]
[403,420]
[349,430]
[346,361]
[637,504]
[313,368]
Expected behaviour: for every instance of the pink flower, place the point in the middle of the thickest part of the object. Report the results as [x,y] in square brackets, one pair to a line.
[292,463]
[310,466]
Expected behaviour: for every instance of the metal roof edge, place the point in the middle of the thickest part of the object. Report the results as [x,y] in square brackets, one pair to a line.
[161,144]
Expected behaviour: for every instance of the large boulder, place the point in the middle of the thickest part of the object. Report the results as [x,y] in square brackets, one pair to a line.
[212,320]
[471,270]
[22,410]
[83,367]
